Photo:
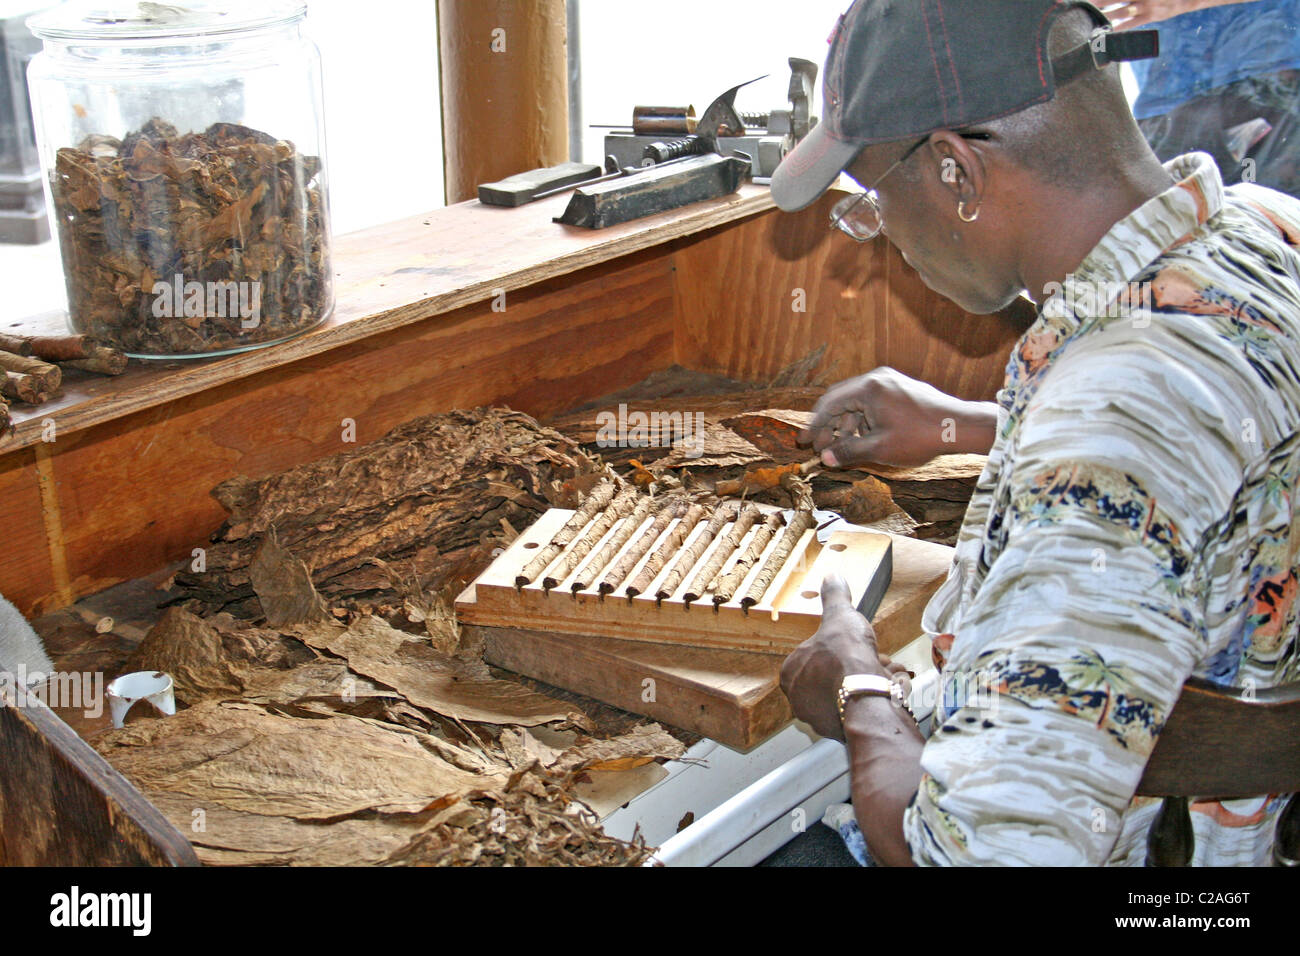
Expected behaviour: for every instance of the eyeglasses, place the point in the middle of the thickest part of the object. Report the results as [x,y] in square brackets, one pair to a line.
[858,216]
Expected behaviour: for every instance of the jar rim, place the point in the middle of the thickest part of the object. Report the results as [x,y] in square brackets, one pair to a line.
[107,21]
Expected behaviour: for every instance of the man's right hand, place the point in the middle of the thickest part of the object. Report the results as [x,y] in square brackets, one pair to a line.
[889,419]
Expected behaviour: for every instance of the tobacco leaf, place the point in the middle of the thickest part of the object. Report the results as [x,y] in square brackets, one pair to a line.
[433,680]
[584,426]
[536,820]
[801,371]
[715,446]
[226,837]
[432,453]
[228,776]
[868,500]
[239,756]
[643,741]
[522,749]
[216,657]
[328,682]
[283,586]
[774,432]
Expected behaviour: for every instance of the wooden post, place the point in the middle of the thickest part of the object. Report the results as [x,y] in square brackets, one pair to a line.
[504,70]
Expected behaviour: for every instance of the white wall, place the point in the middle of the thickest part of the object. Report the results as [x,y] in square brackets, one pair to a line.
[382,116]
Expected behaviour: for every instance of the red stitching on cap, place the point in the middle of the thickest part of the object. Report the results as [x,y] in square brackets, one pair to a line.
[1042,36]
[943,96]
[839,25]
[952,64]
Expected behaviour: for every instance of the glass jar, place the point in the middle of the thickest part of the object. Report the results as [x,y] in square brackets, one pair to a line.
[183,150]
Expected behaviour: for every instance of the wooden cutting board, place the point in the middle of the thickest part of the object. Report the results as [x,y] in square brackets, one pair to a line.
[730,696]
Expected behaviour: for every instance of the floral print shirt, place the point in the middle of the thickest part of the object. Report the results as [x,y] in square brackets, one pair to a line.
[1135,525]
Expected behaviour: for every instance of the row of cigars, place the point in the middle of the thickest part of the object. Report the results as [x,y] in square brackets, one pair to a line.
[32,367]
[607,505]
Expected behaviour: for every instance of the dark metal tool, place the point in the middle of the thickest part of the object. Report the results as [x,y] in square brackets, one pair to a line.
[657,189]
[657,120]
[767,136]
[687,171]
[527,187]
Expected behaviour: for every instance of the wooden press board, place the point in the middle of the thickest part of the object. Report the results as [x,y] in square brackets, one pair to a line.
[789,613]
[733,697]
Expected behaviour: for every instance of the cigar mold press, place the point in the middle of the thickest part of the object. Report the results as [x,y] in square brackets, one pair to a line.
[627,587]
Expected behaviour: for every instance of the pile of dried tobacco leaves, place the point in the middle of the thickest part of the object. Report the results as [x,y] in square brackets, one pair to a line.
[391,525]
[313,731]
[328,743]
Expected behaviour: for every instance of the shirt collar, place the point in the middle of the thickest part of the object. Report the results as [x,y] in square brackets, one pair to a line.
[1130,245]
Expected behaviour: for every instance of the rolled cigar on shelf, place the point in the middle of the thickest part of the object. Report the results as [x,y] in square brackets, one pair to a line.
[28,379]
[694,551]
[6,426]
[79,351]
[667,513]
[15,344]
[801,522]
[726,588]
[21,388]
[672,544]
[619,507]
[103,361]
[598,499]
[699,585]
[612,546]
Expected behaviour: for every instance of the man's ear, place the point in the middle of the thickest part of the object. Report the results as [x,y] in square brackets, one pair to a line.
[961,168]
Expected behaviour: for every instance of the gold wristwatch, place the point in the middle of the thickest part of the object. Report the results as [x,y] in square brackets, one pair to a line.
[871,685]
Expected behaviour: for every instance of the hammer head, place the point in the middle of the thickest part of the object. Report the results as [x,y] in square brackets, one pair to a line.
[803,84]
[721,118]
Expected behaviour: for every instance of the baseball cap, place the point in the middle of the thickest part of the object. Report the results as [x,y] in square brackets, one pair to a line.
[901,69]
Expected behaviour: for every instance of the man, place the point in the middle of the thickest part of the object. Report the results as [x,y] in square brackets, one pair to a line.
[1135,524]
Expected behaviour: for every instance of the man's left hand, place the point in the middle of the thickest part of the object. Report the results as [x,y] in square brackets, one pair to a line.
[844,644]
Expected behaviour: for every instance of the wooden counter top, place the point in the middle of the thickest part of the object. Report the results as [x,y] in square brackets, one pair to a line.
[386,277]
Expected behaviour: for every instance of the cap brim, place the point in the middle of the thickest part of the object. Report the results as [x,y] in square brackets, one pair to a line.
[810,168]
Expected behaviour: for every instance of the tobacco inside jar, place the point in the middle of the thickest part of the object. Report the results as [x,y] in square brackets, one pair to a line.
[181,245]
[183,149]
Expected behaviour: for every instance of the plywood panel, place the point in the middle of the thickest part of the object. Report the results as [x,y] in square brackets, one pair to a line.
[737,290]
[26,574]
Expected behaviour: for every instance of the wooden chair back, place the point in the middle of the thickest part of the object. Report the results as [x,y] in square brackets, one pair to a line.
[1220,743]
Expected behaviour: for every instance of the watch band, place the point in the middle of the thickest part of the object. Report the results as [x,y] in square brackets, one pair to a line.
[871,685]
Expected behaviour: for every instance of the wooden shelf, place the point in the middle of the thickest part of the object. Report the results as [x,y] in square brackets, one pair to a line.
[386,277]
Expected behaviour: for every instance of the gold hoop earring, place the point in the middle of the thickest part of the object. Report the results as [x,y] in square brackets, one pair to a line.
[961,212]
